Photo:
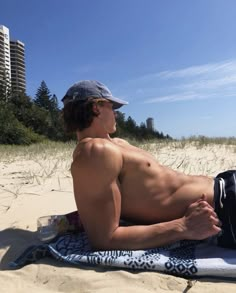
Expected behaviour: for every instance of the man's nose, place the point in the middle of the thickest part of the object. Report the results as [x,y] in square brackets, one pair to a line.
[115,113]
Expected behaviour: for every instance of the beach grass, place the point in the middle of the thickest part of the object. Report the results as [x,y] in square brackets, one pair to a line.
[47,149]
[42,150]
[186,154]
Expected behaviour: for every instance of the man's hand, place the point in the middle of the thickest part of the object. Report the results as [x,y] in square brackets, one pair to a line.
[200,221]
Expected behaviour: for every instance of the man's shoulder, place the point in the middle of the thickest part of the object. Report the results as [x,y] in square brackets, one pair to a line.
[120,141]
[98,146]
[94,151]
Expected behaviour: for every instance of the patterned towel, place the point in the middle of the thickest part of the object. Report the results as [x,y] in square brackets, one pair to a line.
[184,258]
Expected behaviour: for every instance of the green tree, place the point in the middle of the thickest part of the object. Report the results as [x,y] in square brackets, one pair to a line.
[143,131]
[29,114]
[43,97]
[120,125]
[13,131]
[21,106]
[131,125]
[52,115]
[5,89]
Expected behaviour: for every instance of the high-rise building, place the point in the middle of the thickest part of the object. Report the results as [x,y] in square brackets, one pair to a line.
[12,62]
[150,123]
[17,49]
[5,61]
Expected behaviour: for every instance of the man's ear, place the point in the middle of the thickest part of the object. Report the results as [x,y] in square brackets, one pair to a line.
[96,110]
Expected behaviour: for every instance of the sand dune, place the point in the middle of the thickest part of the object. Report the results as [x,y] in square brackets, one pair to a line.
[37,183]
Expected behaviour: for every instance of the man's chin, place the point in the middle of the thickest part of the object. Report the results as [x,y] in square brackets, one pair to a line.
[112,131]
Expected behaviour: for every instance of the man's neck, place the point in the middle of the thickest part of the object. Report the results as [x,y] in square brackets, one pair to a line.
[82,135]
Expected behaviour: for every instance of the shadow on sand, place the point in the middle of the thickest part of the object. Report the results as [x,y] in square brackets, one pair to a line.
[15,241]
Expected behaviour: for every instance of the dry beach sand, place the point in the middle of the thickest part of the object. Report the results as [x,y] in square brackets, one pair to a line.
[35,181]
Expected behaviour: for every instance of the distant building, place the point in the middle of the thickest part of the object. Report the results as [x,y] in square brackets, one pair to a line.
[5,61]
[17,50]
[12,61]
[150,123]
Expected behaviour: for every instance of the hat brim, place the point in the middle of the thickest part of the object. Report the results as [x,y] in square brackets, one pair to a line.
[117,103]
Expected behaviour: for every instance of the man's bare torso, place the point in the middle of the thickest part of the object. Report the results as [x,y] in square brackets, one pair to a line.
[150,192]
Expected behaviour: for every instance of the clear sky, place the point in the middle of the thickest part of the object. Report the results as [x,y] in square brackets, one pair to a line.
[173,60]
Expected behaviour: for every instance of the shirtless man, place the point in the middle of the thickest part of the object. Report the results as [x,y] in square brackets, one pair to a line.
[114,180]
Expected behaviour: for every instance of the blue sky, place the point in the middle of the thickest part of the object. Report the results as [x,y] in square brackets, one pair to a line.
[172,60]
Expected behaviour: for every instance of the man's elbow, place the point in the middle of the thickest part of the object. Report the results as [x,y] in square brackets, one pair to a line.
[101,245]
[104,243]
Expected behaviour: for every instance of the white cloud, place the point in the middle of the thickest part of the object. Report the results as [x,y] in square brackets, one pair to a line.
[212,68]
[187,97]
[178,97]
[205,81]
[211,83]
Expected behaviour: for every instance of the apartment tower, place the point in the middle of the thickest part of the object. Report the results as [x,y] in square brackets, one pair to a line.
[12,62]
[17,50]
[150,123]
[5,59]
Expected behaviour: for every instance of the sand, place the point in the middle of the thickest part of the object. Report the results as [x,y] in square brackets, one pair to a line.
[36,182]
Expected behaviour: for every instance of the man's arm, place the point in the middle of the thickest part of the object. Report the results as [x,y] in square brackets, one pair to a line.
[98,199]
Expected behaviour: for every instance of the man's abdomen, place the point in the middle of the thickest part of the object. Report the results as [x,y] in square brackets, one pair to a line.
[151,201]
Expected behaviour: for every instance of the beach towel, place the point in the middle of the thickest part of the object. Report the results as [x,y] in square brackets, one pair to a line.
[184,258]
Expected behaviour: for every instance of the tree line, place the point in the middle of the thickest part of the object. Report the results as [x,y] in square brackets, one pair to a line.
[26,120]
